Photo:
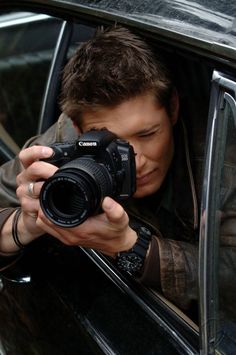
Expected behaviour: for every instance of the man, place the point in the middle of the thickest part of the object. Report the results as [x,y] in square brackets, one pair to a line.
[115,81]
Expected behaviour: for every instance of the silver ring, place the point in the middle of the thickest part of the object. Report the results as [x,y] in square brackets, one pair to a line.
[31,189]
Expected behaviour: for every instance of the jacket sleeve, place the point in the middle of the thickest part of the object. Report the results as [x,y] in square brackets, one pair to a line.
[172,268]
[6,260]
[8,173]
[62,130]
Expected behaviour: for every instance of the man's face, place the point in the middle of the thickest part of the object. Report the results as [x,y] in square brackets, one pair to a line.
[148,128]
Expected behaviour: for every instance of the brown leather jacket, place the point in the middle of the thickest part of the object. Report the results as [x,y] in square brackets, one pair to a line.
[172,215]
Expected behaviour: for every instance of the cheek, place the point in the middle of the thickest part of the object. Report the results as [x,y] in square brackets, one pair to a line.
[167,150]
[161,150]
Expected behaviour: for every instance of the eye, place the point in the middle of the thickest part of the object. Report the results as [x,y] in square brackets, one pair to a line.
[148,134]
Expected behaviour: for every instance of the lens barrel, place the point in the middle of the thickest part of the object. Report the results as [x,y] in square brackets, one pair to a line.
[75,192]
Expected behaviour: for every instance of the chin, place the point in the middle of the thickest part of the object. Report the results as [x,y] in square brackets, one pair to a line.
[146,190]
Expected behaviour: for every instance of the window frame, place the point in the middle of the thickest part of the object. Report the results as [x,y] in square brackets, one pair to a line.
[175,323]
[182,331]
[177,328]
[49,109]
[209,236]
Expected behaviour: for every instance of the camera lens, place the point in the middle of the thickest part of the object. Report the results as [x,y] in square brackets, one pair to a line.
[75,192]
[69,201]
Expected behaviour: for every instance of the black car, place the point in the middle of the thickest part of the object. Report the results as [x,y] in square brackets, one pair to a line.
[63,300]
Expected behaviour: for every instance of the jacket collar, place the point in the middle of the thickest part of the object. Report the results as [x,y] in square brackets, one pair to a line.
[184,190]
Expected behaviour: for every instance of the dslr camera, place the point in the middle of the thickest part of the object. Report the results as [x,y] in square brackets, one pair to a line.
[95,165]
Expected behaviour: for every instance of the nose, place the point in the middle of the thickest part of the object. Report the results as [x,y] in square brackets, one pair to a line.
[140,161]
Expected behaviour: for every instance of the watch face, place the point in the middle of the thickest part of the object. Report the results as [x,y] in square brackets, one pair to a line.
[130,262]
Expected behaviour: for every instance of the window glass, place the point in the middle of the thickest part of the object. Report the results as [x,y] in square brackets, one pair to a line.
[81,33]
[227,230]
[25,57]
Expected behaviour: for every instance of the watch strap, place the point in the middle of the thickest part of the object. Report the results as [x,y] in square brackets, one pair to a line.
[132,260]
[142,244]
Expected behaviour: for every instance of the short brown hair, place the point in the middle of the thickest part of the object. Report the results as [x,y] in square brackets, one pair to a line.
[112,67]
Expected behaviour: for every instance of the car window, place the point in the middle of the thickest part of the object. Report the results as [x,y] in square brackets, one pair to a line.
[219,229]
[198,94]
[25,58]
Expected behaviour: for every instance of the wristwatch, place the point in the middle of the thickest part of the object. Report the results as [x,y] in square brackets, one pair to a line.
[132,260]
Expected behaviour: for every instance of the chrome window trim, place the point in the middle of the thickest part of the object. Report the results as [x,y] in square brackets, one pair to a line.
[47,115]
[21,19]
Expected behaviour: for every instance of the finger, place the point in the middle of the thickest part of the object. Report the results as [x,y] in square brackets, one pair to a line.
[23,190]
[82,235]
[29,205]
[38,170]
[32,190]
[29,155]
[65,236]
[114,211]
[49,229]
[36,189]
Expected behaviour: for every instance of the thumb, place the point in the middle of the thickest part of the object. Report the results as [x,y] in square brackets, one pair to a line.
[114,211]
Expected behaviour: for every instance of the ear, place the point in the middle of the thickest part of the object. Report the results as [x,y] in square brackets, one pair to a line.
[174,107]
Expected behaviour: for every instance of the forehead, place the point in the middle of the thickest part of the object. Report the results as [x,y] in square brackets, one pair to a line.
[128,118]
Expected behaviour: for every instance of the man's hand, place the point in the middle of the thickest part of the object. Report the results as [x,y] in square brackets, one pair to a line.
[29,183]
[108,232]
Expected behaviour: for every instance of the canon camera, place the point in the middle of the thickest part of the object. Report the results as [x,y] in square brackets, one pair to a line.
[96,165]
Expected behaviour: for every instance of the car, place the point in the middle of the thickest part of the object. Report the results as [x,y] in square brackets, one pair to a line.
[72,300]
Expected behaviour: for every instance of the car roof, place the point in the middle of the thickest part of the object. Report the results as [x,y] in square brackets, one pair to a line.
[207,27]
[210,20]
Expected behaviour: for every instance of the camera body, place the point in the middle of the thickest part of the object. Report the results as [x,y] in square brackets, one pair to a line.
[95,165]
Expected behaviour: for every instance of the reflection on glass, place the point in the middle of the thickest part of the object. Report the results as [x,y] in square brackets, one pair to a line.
[25,57]
[227,231]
